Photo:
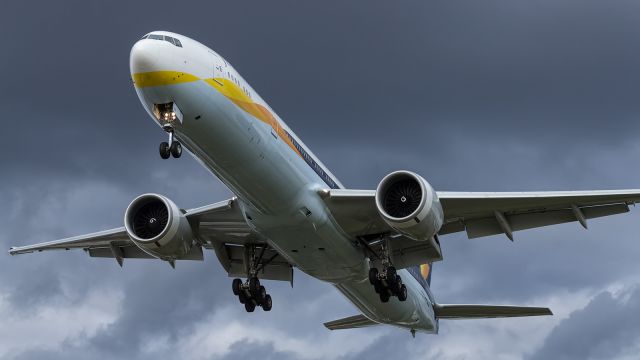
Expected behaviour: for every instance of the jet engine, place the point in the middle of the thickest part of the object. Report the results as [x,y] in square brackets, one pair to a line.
[409,205]
[158,227]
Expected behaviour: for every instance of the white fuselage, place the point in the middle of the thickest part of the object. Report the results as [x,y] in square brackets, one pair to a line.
[240,139]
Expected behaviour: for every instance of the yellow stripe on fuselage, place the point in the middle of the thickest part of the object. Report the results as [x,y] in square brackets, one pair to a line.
[226,87]
[160,78]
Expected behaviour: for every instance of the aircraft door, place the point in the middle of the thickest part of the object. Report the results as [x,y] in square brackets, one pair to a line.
[217,66]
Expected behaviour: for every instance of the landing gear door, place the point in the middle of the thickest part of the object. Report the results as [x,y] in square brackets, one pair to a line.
[176,110]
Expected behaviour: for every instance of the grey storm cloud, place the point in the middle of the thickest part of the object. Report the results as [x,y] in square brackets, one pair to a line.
[476,96]
[606,328]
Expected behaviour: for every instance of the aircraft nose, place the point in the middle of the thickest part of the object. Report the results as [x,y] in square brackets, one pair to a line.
[144,57]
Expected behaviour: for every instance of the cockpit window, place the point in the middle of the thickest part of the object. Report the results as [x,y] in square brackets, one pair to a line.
[166,38]
[144,37]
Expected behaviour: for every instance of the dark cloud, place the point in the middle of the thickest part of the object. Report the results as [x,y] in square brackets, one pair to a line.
[483,96]
[606,328]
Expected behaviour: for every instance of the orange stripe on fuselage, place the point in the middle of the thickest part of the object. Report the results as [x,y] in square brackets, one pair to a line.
[226,87]
[233,92]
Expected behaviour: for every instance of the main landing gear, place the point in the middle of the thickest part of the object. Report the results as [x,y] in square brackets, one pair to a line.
[171,148]
[387,282]
[251,293]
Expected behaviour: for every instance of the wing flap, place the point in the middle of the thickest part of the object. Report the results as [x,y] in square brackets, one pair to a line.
[459,312]
[489,226]
[351,322]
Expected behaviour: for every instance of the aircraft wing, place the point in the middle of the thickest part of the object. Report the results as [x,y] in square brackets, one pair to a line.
[219,227]
[486,213]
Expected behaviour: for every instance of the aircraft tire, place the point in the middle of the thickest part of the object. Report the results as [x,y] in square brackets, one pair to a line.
[398,284]
[164,150]
[268,303]
[391,274]
[378,287]
[176,149]
[236,286]
[262,295]
[402,295]
[254,286]
[373,276]
[249,306]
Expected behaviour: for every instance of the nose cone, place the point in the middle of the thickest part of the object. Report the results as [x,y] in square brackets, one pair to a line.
[145,56]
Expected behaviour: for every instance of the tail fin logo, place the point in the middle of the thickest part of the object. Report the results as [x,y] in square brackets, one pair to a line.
[425,271]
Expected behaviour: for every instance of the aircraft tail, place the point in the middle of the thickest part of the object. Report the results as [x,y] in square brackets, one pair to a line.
[458,312]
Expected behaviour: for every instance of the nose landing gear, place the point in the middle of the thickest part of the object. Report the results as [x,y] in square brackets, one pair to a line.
[171,148]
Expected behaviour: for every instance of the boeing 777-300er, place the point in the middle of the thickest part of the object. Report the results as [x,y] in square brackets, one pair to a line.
[375,246]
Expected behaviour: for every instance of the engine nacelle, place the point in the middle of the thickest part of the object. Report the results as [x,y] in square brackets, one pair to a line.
[158,227]
[409,205]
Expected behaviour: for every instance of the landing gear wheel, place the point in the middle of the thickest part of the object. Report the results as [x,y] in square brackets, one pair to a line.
[391,274]
[378,287]
[266,305]
[249,306]
[384,296]
[262,295]
[254,286]
[402,295]
[236,286]
[176,149]
[373,276]
[164,150]
[242,297]
[399,285]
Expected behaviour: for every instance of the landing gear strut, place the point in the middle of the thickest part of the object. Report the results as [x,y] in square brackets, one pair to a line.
[251,293]
[171,148]
[387,282]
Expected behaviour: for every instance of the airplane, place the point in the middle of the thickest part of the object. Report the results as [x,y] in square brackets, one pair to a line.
[376,247]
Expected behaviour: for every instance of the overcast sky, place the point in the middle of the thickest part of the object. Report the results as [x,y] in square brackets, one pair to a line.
[494,95]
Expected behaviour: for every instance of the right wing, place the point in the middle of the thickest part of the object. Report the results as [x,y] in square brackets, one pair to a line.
[485,213]
[219,227]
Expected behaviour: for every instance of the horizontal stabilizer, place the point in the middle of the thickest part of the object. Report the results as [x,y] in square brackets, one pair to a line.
[486,311]
[351,322]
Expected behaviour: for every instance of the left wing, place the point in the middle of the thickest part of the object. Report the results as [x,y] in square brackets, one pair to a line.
[220,222]
[219,227]
[486,213]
